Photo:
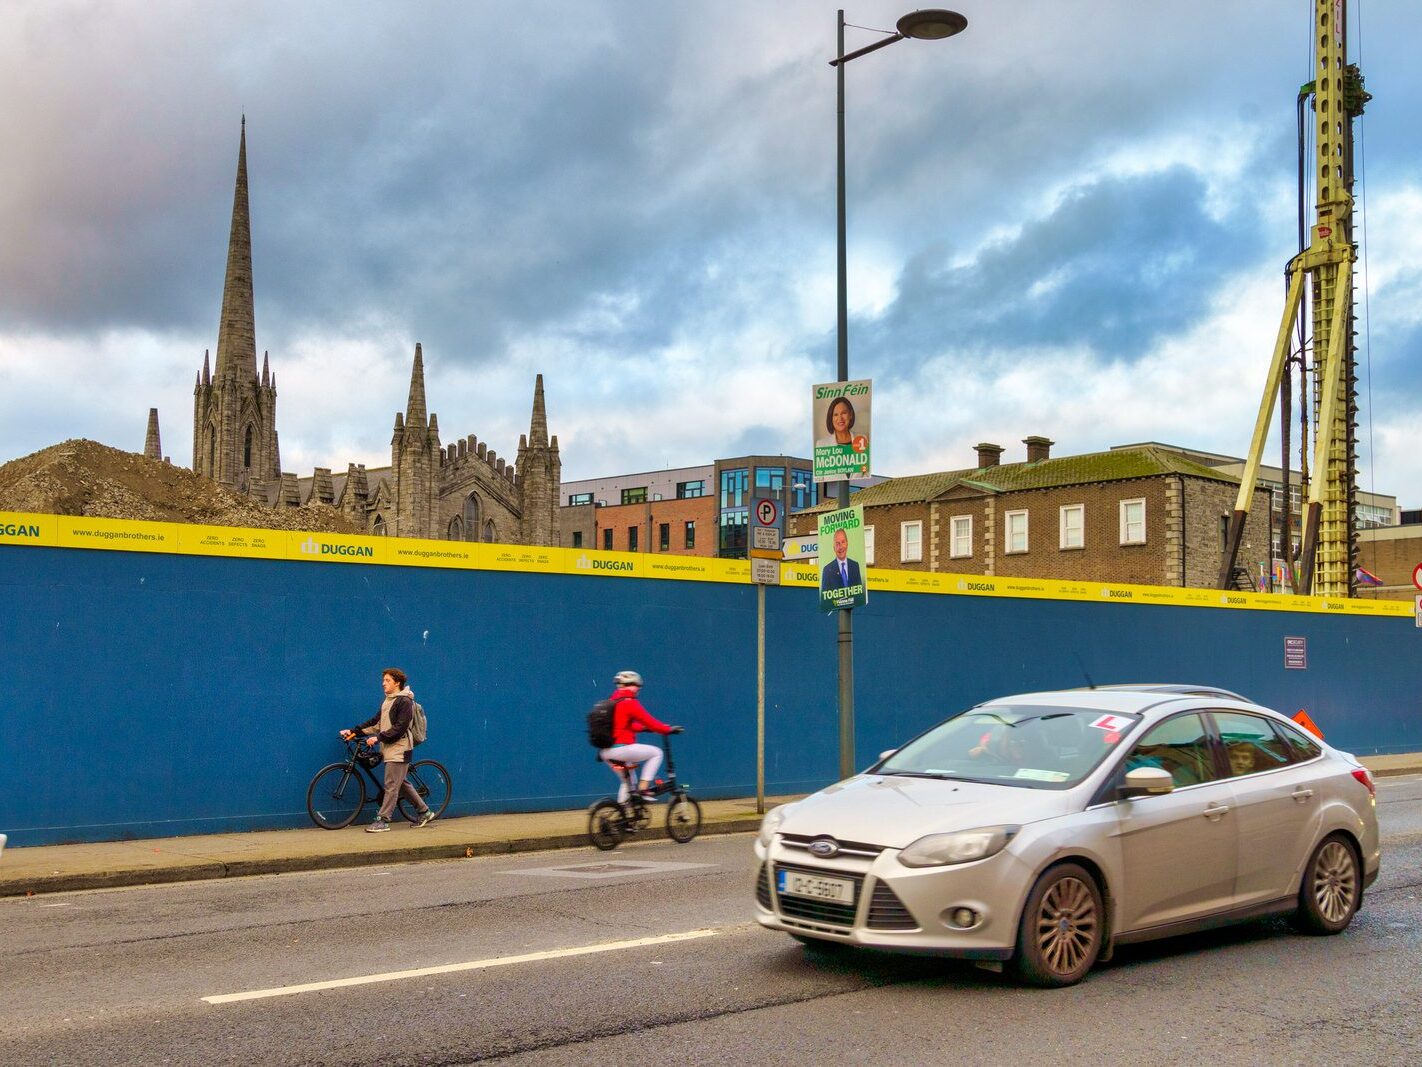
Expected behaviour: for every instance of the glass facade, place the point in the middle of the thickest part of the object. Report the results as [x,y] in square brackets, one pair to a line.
[733,531]
[735,488]
[802,490]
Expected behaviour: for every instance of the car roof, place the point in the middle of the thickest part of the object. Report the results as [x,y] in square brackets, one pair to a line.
[1175,687]
[1134,701]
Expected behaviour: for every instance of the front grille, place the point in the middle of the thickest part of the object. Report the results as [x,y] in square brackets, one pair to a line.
[762,888]
[846,848]
[821,911]
[887,911]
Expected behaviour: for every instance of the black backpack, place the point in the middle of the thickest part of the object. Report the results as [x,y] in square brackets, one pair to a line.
[600,723]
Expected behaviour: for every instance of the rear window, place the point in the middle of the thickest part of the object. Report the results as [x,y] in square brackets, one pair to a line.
[1031,746]
[1304,746]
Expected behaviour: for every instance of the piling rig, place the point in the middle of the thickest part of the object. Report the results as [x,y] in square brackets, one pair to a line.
[1325,359]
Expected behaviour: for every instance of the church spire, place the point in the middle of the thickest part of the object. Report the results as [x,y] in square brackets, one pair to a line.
[236,333]
[415,408]
[538,429]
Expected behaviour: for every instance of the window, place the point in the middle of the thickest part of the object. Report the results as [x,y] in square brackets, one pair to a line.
[961,536]
[664,536]
[456,529]
[489,535]
[607,539]
[1304,747]
[577,538]
[690,533]
[471,518]
[770,482]
[868,546]
[911,542]
[735,487]
[733,531]
[1250,743]
[690,490]
[579,498]
[1133,530]
[1073,520]
[636,495]
[632,532]
[1180,746]
[247,448]
[1016,531]
[802,490]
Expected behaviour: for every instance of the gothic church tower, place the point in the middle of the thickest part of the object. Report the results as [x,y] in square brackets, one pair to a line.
[415,457]
[234,413]
[540,474]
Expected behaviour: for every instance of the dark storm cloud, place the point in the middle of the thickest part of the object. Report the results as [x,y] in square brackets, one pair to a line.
[1118,265]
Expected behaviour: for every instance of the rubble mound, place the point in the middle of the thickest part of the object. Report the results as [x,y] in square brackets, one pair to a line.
[82,477]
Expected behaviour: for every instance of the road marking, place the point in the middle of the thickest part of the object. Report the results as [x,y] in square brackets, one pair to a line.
[610,869]
[451,968]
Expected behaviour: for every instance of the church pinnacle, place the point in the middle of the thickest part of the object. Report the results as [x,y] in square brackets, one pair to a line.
[415,408]
[538,428]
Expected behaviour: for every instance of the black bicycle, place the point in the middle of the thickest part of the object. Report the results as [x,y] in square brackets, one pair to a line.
[339,790]
[610,822]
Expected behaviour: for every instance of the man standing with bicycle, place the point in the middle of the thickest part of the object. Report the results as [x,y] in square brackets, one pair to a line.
[391,727]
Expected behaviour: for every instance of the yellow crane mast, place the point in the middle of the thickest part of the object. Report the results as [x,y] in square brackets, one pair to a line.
[1328,552]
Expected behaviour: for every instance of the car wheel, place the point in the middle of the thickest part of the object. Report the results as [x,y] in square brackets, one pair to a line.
[1060,934]
[1332,888]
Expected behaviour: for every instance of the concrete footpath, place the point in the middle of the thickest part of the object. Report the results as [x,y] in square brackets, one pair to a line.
[59,868]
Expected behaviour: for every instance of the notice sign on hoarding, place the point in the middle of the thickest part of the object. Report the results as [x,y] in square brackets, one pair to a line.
[842,583]
[1296,653]
[840,413]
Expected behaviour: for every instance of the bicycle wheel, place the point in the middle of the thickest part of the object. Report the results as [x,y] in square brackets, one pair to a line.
[335,796]
[683,819]
[606,827]
[431,781]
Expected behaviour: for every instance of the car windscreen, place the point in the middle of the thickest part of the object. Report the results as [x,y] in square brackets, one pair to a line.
[1032,746]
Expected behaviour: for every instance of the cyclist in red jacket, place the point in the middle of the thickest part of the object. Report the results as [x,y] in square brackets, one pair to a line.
[629,719]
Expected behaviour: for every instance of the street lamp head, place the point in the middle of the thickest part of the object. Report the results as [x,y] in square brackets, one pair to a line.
[931,24]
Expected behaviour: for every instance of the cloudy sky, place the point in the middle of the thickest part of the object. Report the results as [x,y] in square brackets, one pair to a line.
[1071,221]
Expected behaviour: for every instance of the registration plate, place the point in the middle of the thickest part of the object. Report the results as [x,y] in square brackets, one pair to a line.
[817,887]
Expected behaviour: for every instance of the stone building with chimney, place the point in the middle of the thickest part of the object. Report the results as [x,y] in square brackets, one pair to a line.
[462,490]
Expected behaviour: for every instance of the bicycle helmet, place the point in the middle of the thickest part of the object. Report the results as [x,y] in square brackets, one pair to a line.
[628,678]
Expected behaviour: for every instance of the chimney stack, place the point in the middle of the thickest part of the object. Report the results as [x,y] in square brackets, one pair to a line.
[989,455]
[1038,448]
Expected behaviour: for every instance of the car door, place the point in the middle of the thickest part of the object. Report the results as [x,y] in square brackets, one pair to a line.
[1178,850]
[1276,806]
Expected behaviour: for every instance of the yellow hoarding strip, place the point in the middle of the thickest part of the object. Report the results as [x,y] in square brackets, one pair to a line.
[70,531]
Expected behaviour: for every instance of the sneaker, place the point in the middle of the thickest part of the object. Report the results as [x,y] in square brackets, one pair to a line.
[426,817]
[379,826]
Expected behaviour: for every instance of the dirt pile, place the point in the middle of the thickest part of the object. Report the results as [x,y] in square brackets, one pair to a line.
[86,478]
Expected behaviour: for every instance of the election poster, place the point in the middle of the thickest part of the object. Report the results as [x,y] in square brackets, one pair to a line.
[840,411]
[841,560]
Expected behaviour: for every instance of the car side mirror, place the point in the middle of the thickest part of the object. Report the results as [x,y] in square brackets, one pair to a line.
[1147,781]
[886,754]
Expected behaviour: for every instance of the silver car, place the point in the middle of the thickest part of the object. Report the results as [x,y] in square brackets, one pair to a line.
[1043,830]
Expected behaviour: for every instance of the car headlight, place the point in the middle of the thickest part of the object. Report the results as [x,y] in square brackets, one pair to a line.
[941,850]
[773,818]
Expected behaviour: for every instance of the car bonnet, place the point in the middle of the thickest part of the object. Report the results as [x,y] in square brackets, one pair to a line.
[893,811]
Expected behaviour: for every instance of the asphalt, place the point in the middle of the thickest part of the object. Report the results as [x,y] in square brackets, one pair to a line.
[153,861]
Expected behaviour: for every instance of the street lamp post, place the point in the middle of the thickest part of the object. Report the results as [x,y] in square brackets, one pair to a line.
[928,25]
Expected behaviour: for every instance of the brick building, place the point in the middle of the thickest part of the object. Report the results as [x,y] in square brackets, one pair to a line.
[1391,553]
[1144,515]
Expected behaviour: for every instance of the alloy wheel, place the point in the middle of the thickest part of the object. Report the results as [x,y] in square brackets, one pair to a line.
[1335,881]
[1067,925]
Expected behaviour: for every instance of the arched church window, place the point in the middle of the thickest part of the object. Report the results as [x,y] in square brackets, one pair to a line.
[212,453]
[378,527]
[247,448]
[471,516]
[489,530]
[456,529]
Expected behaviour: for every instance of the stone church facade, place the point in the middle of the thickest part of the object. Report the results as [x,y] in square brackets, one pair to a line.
[457,491]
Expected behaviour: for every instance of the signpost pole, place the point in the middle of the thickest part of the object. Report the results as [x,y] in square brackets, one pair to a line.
[760,698]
